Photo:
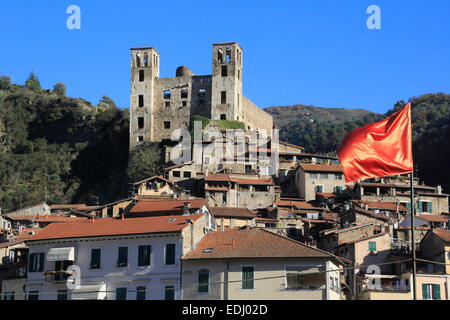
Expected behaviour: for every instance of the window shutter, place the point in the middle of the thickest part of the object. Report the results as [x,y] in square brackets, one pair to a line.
[420,206]
[31,263]
[247,277]
[41,262]
[424,292]
[437,288]
[430,207]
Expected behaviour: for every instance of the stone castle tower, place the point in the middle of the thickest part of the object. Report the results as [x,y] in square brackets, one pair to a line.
[158,106]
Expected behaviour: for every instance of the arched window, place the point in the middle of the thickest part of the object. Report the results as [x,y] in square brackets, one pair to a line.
[203,280]
[220,55]
[167,94]
[145,59]
[138,60]
[319,188]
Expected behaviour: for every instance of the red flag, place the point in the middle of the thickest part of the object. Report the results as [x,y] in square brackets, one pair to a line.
[379,149]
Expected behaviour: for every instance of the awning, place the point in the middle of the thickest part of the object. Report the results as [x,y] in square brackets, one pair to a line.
[90,292]
[61,254]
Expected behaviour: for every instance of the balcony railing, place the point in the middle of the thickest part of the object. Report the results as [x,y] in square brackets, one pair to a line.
[390,288]
[57,275]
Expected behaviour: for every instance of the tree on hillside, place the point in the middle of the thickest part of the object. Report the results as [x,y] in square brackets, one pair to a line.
[5,81]
[60,89]
[33,82]
[145,161]
[107,102]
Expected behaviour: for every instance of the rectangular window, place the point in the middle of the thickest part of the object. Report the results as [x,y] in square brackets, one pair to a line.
[36,263]
[223,97]
[304,278]
[176,174]
[167,94]
[141,76]
[224,71]
[324,176]
[431,291]
[62,295]
[203,281]
[144,255]
[140,138]
[141,101]
[187,174]
[248,277]
[167,104]
[170,254]
[184,103]
[372,246]
[33,295]
[9,296]
[313,176]
[223,117]
[184,94]
[95,258]
[166,124]
[122,257]
[121,294]
[140,122]
[338,176]
[169,293]
[141,293]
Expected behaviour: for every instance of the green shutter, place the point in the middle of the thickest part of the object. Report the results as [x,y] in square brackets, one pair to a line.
[430,207]
[248,277]
[424,292]
[420,207]
[203,281]
[372,246]
[437,292]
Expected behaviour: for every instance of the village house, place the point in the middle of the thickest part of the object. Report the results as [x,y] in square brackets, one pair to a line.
[161,207]
[156,186]
[233,217]
[366,251]
[435,246]
[319,178]
[359,216]
[251,263]
[239,190]
[119,259]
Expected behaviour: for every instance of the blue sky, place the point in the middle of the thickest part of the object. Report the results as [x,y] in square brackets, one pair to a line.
[311,52]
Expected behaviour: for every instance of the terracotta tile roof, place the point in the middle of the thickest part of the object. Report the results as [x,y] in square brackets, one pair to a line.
[154,178]
[266,220]
[177,166]
[392,206]
[443,234]
[166,205]
[330,216]
[363,239]
[261,182]
[371,214]
[326,195]
[252,243]
[232,212]
[67,206]
[307,167]
[296,204]
[11,243]
[45,218]
[217,188]
[433,218]
[218,177]
[111,227]
[290,145]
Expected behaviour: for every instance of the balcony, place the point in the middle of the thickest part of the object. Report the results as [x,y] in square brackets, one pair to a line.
[57,275]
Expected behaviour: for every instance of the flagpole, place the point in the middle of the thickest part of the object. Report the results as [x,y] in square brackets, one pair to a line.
[413,243]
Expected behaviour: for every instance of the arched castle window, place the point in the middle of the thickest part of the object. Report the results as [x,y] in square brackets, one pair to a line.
[167,94]
[146,59]
[138,60]
[228,55]
[220,55]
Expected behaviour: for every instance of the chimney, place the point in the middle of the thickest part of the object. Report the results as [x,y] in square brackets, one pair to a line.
[186,207]
[122,217]
[439,189]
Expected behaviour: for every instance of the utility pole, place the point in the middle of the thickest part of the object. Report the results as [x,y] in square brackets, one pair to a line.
[413,243]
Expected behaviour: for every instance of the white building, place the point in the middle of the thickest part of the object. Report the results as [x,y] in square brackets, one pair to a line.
[134,258]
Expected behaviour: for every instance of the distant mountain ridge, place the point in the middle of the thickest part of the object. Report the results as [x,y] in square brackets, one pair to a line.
[283,115]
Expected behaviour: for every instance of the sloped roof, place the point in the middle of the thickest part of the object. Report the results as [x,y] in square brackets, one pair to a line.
[232,212]
[154,178]
[252,243]
[370,214]
[443,234]
[307,167]
[160,205]
[433,218]
[46,218]
[111,227]
[383,205]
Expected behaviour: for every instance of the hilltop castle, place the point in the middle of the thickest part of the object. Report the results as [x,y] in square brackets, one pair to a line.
[158,106]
